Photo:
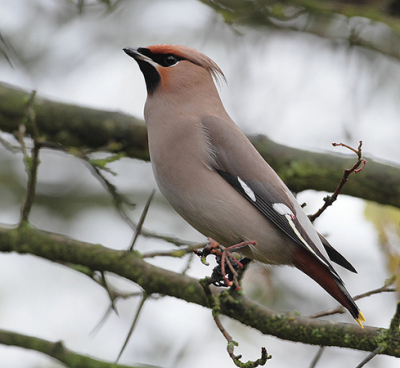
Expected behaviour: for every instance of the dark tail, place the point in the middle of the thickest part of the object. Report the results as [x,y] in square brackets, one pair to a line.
[314,268]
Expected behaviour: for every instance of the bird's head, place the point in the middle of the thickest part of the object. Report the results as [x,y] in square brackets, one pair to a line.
[172,67]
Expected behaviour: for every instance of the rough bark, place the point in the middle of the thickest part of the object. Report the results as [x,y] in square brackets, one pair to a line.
[371,25]
[55,350]
[75,127]
[131,265]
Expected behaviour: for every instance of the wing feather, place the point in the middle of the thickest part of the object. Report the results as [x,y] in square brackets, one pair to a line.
[240,164]
[287,222]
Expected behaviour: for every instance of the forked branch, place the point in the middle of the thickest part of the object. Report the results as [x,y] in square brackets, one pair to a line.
[356,168]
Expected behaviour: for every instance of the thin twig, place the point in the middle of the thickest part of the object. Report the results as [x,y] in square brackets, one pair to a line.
[139,225]
[189,261]
[144,298]
[31,162]
[8,52]
[317,356]
[110,309]
[113,293]
[8,146]
[231,345]
[228,338]
[102,321]
[356,168]
[178,253]
[109,292]
[169,239]
[377,351]
[118,199]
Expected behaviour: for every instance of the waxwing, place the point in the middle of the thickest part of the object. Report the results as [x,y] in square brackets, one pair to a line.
[216,180]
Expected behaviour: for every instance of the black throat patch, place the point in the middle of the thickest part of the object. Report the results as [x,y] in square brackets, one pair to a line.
[151,76]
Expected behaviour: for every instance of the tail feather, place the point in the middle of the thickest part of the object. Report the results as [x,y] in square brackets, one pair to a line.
[335,256]
[311,266]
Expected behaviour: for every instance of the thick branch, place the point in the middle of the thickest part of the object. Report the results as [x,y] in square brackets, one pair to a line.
[55,350]
[156,280]
[354,22]
[73,126]
[302,170]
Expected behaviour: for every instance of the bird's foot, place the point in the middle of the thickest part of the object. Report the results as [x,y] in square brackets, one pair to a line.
[222,276]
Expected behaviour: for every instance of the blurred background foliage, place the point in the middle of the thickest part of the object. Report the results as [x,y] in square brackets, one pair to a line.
[386,221]
[305,73]
[371,24]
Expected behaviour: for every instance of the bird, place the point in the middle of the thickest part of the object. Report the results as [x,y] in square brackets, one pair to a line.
[215,179]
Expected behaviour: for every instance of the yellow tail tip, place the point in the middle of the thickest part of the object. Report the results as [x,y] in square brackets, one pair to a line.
[360,319]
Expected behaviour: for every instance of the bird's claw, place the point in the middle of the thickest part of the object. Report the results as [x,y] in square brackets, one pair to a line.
[219,276]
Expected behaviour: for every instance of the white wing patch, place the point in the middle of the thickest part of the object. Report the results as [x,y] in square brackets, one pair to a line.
[282,209]
[297,232]
[247,189]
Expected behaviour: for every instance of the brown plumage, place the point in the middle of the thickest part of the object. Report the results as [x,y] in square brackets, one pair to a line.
[215,179]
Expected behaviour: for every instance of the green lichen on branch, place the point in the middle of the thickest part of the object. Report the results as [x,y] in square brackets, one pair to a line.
[378,182]
[54,349]
[359,23]
[101,163]
[77,127]
[155,280]
[74,126]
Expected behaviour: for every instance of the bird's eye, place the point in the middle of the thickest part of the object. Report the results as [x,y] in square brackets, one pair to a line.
[170,60]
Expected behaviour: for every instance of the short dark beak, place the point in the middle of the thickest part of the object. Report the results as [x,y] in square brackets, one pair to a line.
[132,52]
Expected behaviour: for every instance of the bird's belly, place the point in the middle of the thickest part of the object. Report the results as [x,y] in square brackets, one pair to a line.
[215,209]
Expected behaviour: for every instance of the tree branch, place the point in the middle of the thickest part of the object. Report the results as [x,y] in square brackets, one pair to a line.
[78,127]
[55,350]
[302,170]
[356,168]
[353,22]
[73,126]
[153,279]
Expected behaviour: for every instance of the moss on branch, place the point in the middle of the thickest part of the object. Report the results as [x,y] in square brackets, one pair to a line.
[300,170]
[79,127]
[74,126]
[55,350]
[353,22]
[153,279]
